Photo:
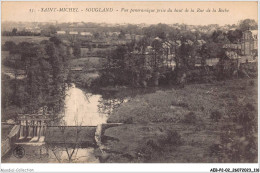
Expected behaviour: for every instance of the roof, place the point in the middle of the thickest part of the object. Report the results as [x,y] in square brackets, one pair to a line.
[201,42]
[232,55]
[61,32]
[232,46]
[73,32]
[86,33]
[247,58]
[212,61]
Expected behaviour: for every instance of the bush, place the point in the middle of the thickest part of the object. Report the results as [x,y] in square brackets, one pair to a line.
[148,148]
[216,116]
[154,145]
[249,107]
[184,105]
[252,83]
[129,120]
[247,117]
[172,138]
[190,118]
[215,150]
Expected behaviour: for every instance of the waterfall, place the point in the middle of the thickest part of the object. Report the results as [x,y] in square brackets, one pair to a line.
[21,133]
[41,135]
[30,134]
[35,132]
[81,109]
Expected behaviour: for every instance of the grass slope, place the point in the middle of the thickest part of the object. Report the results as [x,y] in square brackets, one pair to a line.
[199,123]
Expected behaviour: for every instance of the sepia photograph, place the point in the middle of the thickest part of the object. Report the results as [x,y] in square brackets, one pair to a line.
[129,82]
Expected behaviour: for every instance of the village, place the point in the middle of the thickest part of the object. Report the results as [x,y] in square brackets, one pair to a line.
[88,42]
[169,90]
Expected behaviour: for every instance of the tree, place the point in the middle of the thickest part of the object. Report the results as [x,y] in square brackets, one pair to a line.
[122,35]
[204,53]
[10,46]
[71,141]
[234,36]
[14,31]
[57,58]
[219,37]
[96,35]
[52,29]
[187,54]
[248,24]
[77,50]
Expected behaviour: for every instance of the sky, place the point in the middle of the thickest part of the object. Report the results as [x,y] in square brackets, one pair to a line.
[122,12]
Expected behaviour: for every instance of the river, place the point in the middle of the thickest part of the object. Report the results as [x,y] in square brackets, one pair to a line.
[82,108]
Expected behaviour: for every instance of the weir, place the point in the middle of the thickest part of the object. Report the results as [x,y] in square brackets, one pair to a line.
[35,128]
[32,127]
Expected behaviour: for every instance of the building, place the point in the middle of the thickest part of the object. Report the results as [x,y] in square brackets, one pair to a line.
[212,62]
[61,32]
[89,34]
[249,42]
[73,33]
[246,50]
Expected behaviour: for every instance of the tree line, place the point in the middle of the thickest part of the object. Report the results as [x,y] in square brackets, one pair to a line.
[45,66]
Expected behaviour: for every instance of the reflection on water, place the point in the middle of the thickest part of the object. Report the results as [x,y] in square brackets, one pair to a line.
[106,106]
[82,109]
[53,154]
[86,109]
[77,155]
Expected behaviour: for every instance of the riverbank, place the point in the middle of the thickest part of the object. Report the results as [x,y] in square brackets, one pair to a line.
[186,125]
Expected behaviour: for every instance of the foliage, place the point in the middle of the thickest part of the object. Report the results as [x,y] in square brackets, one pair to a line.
[45,66]
[76,50]
[190,118]
[248,24]
[234,36]
[9,46]
[172,138]
[215,115]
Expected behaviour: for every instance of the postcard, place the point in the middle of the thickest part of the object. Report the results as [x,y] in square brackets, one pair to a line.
[129,82]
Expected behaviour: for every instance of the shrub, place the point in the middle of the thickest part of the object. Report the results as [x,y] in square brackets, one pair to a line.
[250,107]
[215,150]
[184,105]
[129,120]
[216,116]
[252,83]
[180,104]
[190,118]
[148,148]
[247,118]
[154,145]
[172,138]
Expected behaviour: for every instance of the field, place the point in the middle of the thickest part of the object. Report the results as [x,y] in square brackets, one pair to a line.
[205,123]
[88,62]
[19,39]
